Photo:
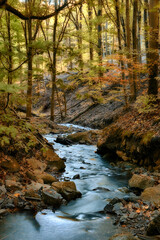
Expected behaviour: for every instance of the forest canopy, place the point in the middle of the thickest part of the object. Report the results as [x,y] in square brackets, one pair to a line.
[105,41]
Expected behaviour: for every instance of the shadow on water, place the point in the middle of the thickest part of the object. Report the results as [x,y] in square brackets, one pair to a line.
[81,219]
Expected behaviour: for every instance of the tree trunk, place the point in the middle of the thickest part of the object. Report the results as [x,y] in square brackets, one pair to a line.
[120,48]
[153,47]
[30,68]
[54,68]
[100,73]
[146,36]
[135,46]
[90,16]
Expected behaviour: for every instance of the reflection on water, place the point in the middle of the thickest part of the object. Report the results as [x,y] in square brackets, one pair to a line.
[80,219]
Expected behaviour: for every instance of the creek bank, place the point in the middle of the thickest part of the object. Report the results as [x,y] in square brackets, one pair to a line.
[29,167]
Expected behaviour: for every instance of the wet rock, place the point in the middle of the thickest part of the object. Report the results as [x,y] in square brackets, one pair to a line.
[52,198]
[77,176]
[152,194]
[12,185]
[133,198]
[118,206]
[9,163]
[67,190]
[123,236]
[87,137]
[64,141]
[141,181]
[101,189]
[3,212]
[124,190]
[53,161]
[109,207]
[154,227]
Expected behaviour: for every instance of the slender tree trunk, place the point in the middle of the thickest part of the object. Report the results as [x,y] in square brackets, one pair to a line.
[54,68]
[120,48]
[153,47]
[80,41]
[139,35]
[135,47]
[100,73]
[30,68]
[146,36]
[90,16]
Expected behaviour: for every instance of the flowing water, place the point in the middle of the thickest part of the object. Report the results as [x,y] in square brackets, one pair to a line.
[81,219]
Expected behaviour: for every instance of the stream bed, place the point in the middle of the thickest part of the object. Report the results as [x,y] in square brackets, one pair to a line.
[81,219]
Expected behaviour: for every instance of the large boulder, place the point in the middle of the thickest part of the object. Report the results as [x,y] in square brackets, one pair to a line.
[154,227]
[54,162]
[87,137]
[67,190]
[51,197]
[9,163]
[141,181]
[123,236]
[152,194]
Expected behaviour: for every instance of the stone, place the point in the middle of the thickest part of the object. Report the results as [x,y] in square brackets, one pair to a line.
[77,176]
[117,207]
[2,190]
[63,141]
[123,218]
[154,227]
[9,163]
[36,164]
[53,161]
[141,181]
[109,207]
[48,178]
[133,215]
[152,194]
[12,185]
[52,198]
[123,190]
[67,190]
[87,137]
[123,236]
[3,211]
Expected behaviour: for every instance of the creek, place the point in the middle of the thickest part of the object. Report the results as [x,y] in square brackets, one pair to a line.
[81,219]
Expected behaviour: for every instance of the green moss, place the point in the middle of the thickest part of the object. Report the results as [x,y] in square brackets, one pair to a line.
[147,138]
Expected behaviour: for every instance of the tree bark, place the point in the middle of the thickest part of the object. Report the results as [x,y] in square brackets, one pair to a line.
[54,68]
[153,47]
